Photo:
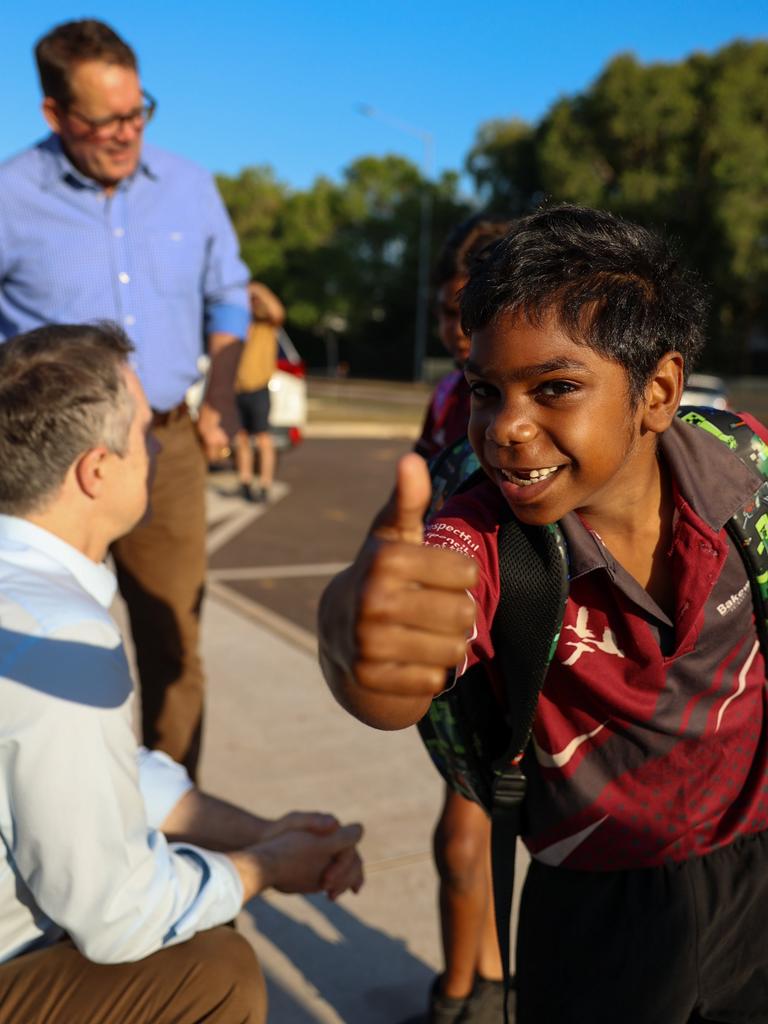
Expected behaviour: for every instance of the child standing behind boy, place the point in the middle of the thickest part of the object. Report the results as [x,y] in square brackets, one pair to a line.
[647,802]
[470,989]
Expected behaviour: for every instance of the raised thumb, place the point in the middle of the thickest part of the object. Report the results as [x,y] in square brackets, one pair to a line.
[403,518]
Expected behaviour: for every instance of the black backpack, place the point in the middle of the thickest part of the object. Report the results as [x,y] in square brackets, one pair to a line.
[475,743]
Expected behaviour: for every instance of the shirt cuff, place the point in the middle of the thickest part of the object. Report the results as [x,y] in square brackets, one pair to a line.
[220,896]
[163,783]
[227,319]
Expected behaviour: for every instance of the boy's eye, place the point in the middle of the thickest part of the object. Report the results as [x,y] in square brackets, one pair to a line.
[557,388]
[478,389]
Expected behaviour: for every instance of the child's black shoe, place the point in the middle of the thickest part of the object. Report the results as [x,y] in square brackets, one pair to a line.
[486,1004]
[441,1010]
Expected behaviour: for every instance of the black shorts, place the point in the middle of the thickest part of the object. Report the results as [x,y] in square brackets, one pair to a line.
[677,944]
[254,410]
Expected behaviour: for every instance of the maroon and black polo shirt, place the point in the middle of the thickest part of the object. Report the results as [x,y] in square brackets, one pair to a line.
[651,739]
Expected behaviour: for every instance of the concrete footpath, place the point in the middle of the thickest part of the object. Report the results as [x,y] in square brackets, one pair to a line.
[275,740]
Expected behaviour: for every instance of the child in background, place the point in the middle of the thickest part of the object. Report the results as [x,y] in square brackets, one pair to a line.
[447,415]
[257,364]
[647,807]
[470,989]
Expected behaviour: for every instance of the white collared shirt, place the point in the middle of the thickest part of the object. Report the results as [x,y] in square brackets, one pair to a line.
[80,802]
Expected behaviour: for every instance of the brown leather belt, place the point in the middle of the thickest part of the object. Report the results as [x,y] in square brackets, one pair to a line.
[164,419]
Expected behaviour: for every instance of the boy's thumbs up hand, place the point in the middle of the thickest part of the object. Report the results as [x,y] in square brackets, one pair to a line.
[397,619]
[403,517]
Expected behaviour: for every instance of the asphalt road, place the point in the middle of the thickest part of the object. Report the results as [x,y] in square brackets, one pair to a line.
[275,566]
[272,564]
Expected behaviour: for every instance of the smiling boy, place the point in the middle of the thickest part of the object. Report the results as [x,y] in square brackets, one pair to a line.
[648,772]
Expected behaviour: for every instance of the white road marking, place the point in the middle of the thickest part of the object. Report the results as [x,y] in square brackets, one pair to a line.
[276,572]
[360,429]
[231,514]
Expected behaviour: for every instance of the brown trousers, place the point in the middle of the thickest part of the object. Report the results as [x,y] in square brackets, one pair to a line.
[161,573]
[214,977]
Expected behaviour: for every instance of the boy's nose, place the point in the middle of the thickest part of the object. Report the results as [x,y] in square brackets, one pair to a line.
[510,428]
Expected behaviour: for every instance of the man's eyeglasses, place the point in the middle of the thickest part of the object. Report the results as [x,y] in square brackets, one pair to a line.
[108,127]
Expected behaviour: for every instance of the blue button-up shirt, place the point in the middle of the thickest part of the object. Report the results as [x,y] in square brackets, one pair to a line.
[159,256]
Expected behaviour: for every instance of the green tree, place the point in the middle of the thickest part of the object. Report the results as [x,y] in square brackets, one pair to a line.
[504,164]
[255,201]
[683,147]
[345,253]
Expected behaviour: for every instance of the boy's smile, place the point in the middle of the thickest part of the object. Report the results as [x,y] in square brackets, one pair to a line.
[553,425]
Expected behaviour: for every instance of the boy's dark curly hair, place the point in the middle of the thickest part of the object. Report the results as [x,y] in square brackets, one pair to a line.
[609,284]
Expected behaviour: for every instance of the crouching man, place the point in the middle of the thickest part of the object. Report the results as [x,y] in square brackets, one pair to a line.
[112,899]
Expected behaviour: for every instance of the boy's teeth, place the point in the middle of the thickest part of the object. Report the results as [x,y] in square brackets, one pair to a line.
[534,476]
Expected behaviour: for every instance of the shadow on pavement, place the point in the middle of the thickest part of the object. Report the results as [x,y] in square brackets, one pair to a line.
[362,973]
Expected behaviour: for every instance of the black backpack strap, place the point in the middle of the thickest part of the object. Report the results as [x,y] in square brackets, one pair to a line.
[476,747]
[506,826]
[533,575]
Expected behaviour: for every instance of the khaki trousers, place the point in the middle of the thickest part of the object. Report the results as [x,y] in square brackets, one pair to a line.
[214,977]
[161,574]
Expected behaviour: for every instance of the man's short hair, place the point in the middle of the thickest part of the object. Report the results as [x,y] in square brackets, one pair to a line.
[62,392]
[609,284]
[72,43]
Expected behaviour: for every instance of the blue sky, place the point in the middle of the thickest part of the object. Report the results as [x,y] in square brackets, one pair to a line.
[274,82]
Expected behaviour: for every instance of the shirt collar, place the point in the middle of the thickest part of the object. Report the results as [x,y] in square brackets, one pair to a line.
[58,167]
[699,465]
[709,477]
[95,578]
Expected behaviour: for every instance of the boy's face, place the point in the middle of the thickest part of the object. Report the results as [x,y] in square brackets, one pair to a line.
[449,319]
[552,423]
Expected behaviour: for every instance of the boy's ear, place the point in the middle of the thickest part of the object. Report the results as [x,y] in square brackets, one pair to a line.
[90,471]
[662,396]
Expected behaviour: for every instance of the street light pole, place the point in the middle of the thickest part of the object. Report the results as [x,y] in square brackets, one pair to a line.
[425,232]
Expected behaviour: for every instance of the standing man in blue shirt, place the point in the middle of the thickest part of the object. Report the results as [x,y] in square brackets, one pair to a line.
[96,224]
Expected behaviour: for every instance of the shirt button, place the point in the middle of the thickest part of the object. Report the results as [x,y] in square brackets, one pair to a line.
[123,278]
[129,320]
[119,232]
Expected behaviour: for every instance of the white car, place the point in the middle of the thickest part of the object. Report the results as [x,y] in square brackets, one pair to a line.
[706,390]
[287,393]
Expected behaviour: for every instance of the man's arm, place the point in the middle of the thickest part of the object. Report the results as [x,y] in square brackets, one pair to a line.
[393,622]
[218,420]
[224,286]
[216,824]
[303,851]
